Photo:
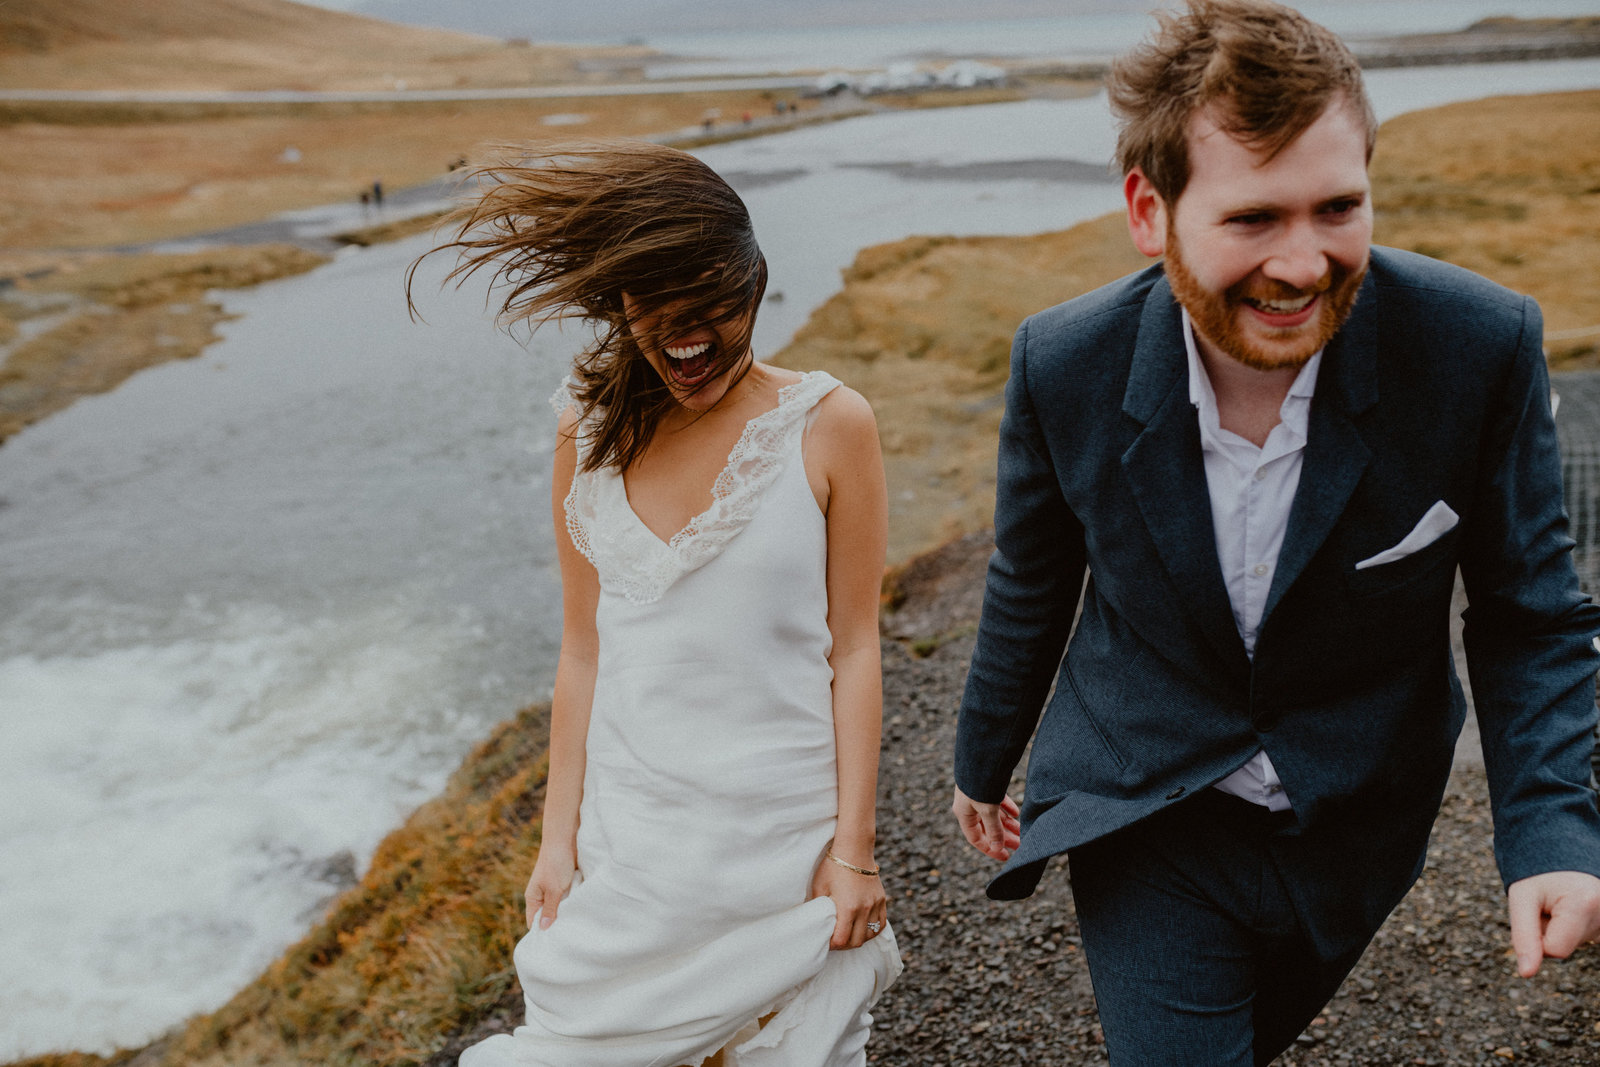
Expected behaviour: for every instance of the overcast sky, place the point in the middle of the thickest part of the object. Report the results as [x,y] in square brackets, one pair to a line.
[611,20]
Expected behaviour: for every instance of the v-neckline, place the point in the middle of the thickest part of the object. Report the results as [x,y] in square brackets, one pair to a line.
[785,394]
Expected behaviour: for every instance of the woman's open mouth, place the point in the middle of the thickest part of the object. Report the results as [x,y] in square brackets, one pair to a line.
[691,365]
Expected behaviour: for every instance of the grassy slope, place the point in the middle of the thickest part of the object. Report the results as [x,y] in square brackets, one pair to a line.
[922,327]
[92,177]
[36,26]
[1509,187]
[251,44]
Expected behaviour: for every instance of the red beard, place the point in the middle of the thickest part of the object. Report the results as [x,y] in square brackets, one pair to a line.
[1217,318]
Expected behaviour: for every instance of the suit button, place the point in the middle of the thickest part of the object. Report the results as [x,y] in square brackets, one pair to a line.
[1176,793]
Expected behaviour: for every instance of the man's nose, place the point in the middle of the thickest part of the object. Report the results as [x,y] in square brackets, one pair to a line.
[1298,260]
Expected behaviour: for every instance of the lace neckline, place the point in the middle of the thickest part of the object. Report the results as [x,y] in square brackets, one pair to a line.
[634,560]
[726,478]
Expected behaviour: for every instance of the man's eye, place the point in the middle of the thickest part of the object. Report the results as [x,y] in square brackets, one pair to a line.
[1250,218]
[1342,207]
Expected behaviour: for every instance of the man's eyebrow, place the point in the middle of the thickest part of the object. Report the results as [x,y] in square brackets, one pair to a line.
[1270,207]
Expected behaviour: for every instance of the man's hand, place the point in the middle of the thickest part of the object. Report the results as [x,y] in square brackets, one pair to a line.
[1551,915]
[993,829]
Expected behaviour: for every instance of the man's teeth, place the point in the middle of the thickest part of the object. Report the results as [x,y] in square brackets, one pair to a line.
[1285,307]
[689,351]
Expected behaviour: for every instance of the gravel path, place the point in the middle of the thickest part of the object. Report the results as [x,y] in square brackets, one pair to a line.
[991,983]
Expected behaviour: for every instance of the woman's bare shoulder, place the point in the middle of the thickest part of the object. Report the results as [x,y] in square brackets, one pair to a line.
[846,412]
[567,420]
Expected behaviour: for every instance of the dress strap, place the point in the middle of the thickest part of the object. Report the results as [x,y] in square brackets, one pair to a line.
[566,397]
[563,397]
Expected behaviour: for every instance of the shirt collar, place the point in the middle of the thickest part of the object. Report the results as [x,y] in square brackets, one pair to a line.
[1296,406]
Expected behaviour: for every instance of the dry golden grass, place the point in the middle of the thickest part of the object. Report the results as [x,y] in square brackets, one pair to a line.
[220,45]
[147,174]
[1510,188]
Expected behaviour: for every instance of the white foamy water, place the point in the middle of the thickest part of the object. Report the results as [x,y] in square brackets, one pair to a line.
[258,604]
[232,781]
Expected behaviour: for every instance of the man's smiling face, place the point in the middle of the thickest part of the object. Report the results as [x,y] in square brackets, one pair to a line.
[1268,255]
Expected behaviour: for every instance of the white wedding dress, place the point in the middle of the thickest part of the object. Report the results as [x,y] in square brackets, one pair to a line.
[710,790]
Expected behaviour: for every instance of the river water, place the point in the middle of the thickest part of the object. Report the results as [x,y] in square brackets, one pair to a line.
[258,604]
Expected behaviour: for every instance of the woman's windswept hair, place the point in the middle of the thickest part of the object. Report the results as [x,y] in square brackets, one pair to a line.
[566,229]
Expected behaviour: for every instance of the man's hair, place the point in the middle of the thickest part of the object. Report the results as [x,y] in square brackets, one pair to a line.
[1264,71]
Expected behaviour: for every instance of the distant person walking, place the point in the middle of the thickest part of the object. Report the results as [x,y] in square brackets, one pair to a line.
[709,818]
[377,193]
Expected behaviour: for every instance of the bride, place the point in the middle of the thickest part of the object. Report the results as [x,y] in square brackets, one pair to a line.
[705,891]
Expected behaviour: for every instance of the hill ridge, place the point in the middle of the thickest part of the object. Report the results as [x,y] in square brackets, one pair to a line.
[49,25]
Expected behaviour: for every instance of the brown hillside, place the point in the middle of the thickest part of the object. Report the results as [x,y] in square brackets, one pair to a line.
[220,45]
[48,25]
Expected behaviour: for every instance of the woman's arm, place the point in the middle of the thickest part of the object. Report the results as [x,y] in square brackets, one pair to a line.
[844,443]
[574,693]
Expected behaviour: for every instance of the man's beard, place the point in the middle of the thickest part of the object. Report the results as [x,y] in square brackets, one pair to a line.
[1216,317]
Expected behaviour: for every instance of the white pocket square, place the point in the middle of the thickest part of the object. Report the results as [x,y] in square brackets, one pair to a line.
[1439,521]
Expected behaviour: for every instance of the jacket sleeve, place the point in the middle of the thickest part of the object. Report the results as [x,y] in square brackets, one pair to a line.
[1528,634]
[1034,580]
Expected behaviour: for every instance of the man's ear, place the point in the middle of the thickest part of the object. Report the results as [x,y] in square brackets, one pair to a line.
[1147,214]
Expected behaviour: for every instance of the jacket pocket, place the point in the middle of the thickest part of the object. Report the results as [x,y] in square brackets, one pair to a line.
[1386,578]
[1085,715]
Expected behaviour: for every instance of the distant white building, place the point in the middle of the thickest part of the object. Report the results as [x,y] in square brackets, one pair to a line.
[969,73]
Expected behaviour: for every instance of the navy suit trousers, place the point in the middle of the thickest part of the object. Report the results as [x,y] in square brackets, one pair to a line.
[1191,939]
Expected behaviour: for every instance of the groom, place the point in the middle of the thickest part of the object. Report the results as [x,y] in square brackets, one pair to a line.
[1269,455]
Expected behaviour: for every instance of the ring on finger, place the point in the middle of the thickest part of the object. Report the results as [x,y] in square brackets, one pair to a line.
[873,928]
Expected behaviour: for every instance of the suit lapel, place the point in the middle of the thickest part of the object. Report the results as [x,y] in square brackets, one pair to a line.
[1167,476]
[1335,455]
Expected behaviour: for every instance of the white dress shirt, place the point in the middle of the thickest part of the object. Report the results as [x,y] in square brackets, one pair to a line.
[1251,492]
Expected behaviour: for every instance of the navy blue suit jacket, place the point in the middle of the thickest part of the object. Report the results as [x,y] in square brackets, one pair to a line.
[1435,389]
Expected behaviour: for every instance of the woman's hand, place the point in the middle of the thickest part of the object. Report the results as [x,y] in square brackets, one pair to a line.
[548,885]
[859,899]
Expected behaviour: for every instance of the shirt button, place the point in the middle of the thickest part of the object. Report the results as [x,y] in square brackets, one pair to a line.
[1274,790]
[1260,569]
[1261,472]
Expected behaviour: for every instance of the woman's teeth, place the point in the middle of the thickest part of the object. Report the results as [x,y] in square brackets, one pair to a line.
[690,364]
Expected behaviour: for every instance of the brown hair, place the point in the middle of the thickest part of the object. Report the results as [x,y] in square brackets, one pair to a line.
[567,231]
[1268,71]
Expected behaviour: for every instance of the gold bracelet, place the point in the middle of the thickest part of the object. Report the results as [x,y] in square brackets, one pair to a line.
[873,873]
